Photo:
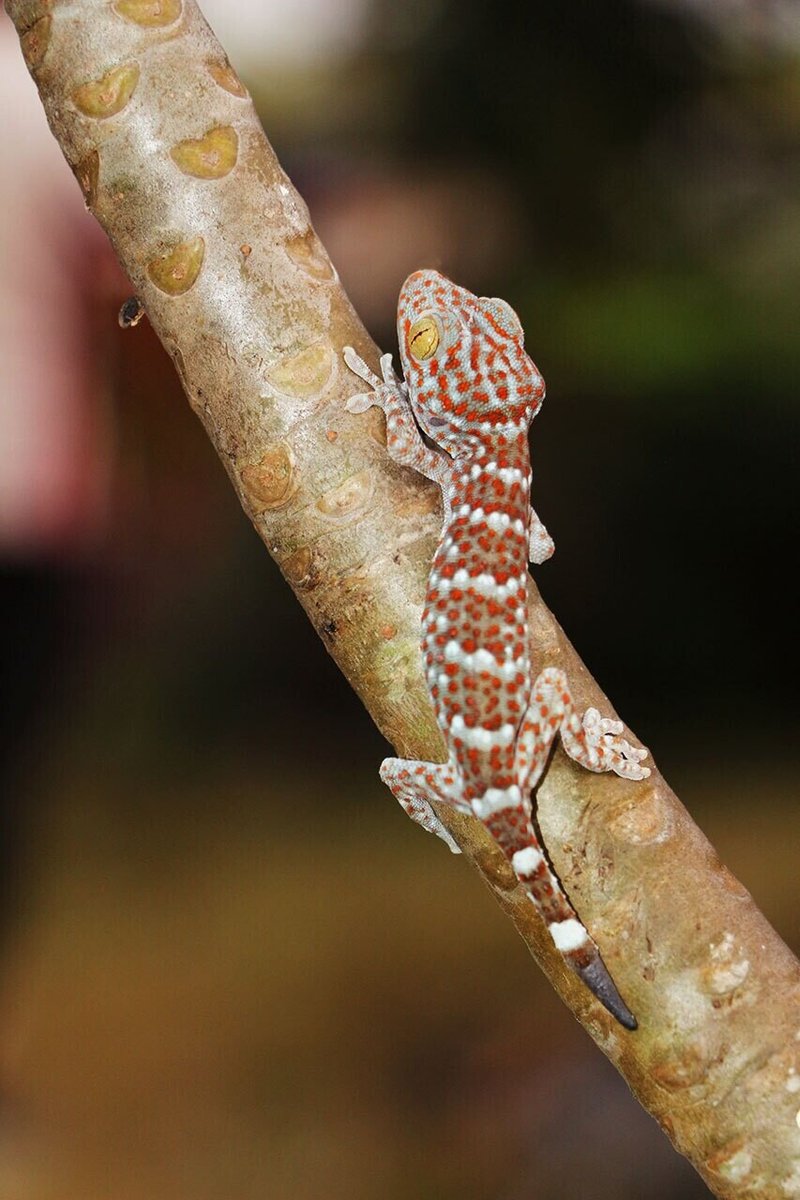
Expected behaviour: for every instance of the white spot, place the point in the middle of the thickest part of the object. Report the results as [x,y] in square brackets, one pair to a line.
[485,584]
[495,800]
[512,667]
[526,861]
[477,516]
[510,475]
[477,736]
[498,521]
[797,1119]
[452,652]
[793,1081]
[568,935]
[518,526]
[442,621]
[464,511]
[484,660]
[475,471]
[461,578]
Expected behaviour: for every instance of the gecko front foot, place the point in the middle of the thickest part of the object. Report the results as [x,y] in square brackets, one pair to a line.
[384,390]
[403,438]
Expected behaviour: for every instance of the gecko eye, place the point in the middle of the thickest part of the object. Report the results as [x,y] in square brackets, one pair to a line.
[423,338]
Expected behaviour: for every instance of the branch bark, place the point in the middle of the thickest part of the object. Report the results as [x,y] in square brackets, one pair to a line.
[167,148]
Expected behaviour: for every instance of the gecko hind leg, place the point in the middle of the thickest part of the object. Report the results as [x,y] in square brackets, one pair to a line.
[415,784]
[593,741]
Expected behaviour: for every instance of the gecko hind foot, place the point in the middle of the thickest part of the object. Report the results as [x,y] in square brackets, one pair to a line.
[604,733]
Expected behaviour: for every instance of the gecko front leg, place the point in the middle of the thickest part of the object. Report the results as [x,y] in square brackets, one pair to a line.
[540,544]
[403,438]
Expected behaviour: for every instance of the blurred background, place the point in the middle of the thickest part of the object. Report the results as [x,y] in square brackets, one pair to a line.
[230,966]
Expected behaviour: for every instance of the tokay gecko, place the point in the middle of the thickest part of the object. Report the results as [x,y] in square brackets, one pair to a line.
[461,418]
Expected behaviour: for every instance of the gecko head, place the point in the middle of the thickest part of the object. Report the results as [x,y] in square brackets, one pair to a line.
[464,361]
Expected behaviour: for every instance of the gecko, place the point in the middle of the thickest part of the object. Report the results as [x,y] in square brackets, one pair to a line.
[460,416]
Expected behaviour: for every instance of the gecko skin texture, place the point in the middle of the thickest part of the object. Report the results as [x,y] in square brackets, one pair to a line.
[473,391]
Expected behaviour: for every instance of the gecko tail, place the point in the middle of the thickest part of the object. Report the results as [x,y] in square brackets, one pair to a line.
[596,976]
[569,934]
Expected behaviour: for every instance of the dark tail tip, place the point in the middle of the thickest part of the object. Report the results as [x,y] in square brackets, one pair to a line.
[596,977]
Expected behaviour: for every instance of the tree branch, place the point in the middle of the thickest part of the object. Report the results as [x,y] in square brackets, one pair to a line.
[172,161]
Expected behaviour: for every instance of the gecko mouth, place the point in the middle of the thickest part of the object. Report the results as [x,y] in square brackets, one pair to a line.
[434,424]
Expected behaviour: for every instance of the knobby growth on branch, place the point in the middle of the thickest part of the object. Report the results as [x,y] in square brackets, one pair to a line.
[169,153]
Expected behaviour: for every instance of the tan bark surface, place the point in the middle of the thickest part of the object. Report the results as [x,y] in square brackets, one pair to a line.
[172,160]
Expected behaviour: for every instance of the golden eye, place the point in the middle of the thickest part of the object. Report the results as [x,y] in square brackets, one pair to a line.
[423,338]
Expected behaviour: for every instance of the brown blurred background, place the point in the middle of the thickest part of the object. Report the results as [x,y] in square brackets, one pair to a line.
[230,967]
